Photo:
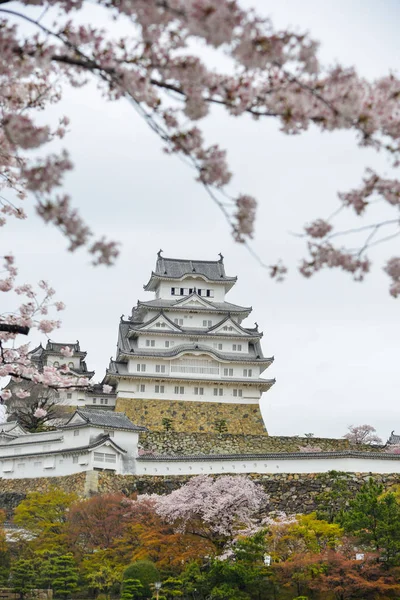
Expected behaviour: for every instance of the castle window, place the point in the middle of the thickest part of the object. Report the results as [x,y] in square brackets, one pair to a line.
[179,389]
[71,365]
[56,363]
[141,367]
[76,432]
[178,321]
[199,391]
[200,292]
[237,347]
[207,323]
[57,395]
[105,400]
[158,324]
[247,372]
[142,387]
[190,290]
[151,343]
[238,393]
[218,346]
[166,343]
[172,291]
[69,396]
[94,400]
[218,392]
[159,389]
[160,368]
[210,293]
[228,372]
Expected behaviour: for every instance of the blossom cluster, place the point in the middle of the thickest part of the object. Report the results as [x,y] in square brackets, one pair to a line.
[274,74]
[15,361]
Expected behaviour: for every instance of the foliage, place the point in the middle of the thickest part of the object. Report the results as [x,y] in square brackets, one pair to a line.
[23,576]
[374,518]
[132,589]
[64,575]
[96,523]
[45,515]
[172,588]
[335,498]
[144,571]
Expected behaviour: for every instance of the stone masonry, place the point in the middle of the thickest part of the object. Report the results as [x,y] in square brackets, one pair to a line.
[181,416]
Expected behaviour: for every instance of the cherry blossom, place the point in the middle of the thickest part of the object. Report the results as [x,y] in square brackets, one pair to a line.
[362,434]
[158,67]
[219,508]
[15,360]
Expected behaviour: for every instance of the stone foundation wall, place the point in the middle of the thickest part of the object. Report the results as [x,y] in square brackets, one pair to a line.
[291,493]
[188,417]
[13,491]
[175,443]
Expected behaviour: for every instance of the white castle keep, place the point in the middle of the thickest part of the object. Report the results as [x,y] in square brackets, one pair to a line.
[188,373]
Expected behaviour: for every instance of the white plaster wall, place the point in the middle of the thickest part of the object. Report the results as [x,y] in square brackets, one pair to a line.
[186,467]
[164,289]
[151,364]
[129,389]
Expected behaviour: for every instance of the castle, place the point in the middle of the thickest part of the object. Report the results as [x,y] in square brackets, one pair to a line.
[186,385]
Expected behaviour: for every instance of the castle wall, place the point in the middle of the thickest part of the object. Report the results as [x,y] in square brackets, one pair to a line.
[176,443]
[193,416]
[293,493]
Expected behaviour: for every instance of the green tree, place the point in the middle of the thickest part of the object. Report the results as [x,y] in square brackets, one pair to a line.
[374,519]
[335,498]
[100,573]
[172,588]
[45,515]
[145,572]
[62,574]
[132,589]
[23,576]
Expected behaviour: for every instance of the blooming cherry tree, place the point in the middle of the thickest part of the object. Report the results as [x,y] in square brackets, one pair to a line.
[217,509]
[15,361]
[273,74]
[362,434]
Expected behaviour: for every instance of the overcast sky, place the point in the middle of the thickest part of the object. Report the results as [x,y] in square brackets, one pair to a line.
[336,343]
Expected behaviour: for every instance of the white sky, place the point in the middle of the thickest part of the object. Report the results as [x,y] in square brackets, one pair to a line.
[336,343]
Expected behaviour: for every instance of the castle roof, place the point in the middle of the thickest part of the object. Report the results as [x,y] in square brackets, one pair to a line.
[39,355]
[177,269]
[180,304]
[101,418]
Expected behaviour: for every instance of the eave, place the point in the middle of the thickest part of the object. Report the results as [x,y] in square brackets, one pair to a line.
[262,384]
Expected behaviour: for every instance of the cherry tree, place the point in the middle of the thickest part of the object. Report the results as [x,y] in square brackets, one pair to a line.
[217,509]
[160,69]
[362,434]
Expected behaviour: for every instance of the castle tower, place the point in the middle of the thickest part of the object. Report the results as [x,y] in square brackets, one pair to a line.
[184,361]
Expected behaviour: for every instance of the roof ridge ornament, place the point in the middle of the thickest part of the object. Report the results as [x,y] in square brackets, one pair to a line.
[221,257]
[159,253]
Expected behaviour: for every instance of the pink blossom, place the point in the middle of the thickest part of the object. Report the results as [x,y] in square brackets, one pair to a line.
[67,351]
[107,389]
[318,229]
[362,434]
[5,394]
[225,505]
[47,326]
[40,413]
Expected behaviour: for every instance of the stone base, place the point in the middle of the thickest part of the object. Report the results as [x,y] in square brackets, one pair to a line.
[188,417]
